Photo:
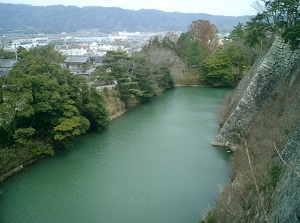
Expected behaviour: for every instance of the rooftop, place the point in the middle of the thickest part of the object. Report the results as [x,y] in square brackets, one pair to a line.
[76,59]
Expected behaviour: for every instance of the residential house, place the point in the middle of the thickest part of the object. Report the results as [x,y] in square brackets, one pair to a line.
[79,65]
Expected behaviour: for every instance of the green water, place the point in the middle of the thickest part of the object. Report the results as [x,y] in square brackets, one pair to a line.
[153,164]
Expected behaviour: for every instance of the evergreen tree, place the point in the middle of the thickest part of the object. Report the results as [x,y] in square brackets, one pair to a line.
[277,17]
[44,106]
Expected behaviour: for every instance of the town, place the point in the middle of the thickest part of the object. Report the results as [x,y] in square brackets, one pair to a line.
[79,47]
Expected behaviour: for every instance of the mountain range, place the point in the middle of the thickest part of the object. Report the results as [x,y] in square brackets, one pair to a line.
[107,19]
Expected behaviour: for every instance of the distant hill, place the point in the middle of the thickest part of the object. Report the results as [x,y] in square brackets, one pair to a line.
[106,19]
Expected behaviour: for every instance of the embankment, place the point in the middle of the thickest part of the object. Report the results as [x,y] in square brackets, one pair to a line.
[263,118]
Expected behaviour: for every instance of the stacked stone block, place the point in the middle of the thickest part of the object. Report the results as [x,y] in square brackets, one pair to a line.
[255,88]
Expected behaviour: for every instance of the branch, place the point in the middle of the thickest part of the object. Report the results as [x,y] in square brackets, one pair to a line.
[256,185]
[290,166]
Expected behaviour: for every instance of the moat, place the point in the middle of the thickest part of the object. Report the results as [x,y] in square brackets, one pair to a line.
[153,164]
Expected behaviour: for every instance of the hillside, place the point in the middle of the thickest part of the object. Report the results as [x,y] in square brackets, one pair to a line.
[106,19]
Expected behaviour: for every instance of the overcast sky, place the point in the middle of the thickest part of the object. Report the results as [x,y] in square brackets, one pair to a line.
[214,7]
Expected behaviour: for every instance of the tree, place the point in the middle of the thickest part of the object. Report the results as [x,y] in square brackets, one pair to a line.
[238,37]
[225,67]
[69,125]
[141,75]
[153,42]
[92,108]
[258,32]
[276,17]
[167,43]
[16,104]
[117,67]
[43,107]
[206,33]
[157,60]
[46,52]
[238,32]
[6,55]
[42,102]
[291,36]
[191,51]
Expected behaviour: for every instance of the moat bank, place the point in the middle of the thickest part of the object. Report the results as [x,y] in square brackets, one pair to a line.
[153,164]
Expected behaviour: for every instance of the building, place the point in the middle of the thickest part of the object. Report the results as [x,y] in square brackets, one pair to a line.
[79,65]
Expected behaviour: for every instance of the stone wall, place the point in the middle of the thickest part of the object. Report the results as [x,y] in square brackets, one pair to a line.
[285,205]
[255,88]
[266,111]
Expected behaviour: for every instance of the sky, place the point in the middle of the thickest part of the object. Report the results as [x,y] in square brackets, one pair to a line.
[214,7]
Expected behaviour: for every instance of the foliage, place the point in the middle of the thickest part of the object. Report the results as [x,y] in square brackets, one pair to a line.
[6,55]
[209,218]
[197,48]
[202,52]
[70,124]
[276,17]
[238,37]
[138,77]
[206,33]
[191,51]
[238,32]
[46,52]
[291,35]
[93,108]
[167,43]
[43,106]
[225,67]
[217,70]
[256,32]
